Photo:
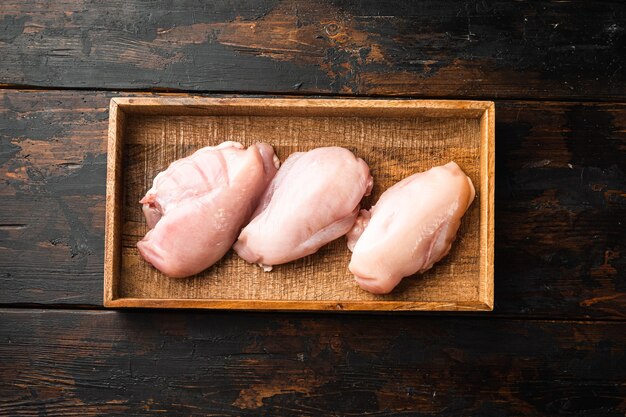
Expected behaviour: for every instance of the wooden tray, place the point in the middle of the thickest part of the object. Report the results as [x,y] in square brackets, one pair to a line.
[395,137]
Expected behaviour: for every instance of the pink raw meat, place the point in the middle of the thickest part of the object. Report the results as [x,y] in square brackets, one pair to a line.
[313,200]
[197,206]
[411,227]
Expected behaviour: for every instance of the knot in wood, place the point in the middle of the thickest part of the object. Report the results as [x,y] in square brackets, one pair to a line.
[331,29]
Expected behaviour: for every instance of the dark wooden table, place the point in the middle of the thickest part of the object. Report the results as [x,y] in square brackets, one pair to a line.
[556,342]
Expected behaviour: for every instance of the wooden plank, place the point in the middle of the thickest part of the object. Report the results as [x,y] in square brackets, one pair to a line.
[476,49]
[114,195]
[560,204]
[71,363]
[52,188]
[560,209]
[395,137]
[366,305]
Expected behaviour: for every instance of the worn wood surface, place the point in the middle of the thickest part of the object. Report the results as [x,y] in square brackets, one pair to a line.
[395,137]
[80,363]
[556,71]
[479,48]
[560,204]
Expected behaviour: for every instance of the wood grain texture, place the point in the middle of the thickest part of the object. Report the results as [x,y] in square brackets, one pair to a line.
[114,196]
[560,244]
[81,363]
[560,204]
[473,49]
[395,137]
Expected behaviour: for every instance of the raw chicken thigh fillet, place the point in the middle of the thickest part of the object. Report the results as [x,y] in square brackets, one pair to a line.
[313,200]
[411,227]
[197,206]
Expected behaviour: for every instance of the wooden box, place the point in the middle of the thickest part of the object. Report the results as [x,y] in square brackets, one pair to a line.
[395,137]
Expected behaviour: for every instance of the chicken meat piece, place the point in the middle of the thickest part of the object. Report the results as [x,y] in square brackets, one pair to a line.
[313,200]
[198,205]
[411,227]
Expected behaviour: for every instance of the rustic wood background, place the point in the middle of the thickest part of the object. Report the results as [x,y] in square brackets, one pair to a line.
[556,342]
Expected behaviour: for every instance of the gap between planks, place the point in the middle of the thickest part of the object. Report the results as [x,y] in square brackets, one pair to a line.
[297,315]
[303,94]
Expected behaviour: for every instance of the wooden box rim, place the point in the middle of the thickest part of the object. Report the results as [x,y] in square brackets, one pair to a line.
[121,106]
